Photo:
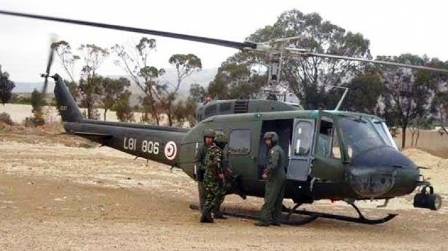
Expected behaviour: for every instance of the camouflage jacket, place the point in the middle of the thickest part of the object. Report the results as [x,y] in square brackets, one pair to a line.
[213,162]
[276,161]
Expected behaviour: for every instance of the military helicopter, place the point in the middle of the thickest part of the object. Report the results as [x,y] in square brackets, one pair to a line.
[333,155]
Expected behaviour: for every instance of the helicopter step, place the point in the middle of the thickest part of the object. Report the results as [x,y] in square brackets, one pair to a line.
[310,216]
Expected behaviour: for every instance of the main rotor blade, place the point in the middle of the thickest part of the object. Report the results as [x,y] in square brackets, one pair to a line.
[374,61]
[236,45]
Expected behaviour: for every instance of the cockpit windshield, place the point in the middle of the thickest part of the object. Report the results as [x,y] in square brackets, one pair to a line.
[360,135]
[382,129]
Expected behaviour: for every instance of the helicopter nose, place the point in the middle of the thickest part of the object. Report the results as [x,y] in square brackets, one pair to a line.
[382,172]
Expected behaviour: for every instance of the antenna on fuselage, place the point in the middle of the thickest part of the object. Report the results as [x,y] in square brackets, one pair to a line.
[342,98]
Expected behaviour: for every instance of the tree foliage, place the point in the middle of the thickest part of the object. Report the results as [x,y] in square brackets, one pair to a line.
[6,87]
[407,98]
[309,77]
[38,102]
[185,65]
[90,93]
[111,91]
[123,109]
[197,92]
[357,99]
[67,58]
[236,80]
[185,111]
[136,64]
[407,92]
[92,90]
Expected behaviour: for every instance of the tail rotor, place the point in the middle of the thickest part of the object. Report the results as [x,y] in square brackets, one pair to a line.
[50,62]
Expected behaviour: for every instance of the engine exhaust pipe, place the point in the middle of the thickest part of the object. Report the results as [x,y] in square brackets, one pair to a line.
[428,200]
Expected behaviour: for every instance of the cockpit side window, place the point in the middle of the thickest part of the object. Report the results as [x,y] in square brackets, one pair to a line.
[327,142]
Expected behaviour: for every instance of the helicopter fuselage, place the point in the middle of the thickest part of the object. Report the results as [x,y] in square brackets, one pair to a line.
[322,163]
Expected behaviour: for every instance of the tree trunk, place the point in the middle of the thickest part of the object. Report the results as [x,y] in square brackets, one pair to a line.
[89,111]
[418,135]
[105,111]
[403,137]
[156,117]
[170,120]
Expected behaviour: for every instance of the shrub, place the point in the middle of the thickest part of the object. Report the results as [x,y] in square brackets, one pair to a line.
[5,118]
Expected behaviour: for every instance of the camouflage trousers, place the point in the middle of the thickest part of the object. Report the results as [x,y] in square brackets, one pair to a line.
[221,194]
[214,193]
[201,193]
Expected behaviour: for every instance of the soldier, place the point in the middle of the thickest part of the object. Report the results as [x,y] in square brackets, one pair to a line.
[208,135]
[221,142]
[275,182]
[214,175]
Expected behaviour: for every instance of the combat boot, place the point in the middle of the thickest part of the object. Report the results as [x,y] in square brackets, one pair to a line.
[262,224]
[205,219]
[206,216]
[218,215]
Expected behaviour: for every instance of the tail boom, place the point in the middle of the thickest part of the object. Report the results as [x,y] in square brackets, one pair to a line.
[157,145]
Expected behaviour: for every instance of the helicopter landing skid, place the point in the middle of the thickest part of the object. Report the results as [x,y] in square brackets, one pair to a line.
[252,215]
[360,219]
[311,215]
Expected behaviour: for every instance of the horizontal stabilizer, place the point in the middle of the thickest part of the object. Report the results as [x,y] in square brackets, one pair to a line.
[101,138]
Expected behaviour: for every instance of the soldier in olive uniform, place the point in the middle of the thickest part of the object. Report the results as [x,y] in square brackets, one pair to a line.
[214,175]
[209,135]
[275,182]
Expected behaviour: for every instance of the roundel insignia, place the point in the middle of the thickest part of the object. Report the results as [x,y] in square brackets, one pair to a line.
[170,150]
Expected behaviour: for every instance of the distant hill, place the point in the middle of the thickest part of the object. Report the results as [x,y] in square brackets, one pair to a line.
[202,77]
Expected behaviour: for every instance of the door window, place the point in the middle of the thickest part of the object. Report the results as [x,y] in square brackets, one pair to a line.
[303,138]
[240,141]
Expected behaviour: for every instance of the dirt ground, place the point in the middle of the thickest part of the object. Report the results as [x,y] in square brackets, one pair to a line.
[62,193]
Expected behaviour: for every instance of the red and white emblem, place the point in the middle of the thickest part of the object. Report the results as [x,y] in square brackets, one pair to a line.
[170,150]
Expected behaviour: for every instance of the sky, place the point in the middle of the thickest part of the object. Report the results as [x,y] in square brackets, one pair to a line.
[392,26]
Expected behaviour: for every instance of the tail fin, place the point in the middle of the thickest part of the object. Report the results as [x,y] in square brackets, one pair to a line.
[65,103]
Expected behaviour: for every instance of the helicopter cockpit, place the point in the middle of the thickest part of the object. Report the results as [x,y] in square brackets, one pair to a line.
[361,134]
[340,138]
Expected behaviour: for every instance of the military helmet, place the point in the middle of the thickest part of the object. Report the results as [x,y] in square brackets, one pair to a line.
[209,133]
[220,137]
[271,135]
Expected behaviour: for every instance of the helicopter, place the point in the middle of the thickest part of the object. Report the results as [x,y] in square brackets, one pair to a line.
[360,162]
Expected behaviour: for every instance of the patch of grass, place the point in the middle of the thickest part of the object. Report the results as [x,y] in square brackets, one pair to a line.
[88,145]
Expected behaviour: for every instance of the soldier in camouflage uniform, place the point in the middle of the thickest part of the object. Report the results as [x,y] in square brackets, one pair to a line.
[209,136]
[275,182]
[214,175]
[221,141]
